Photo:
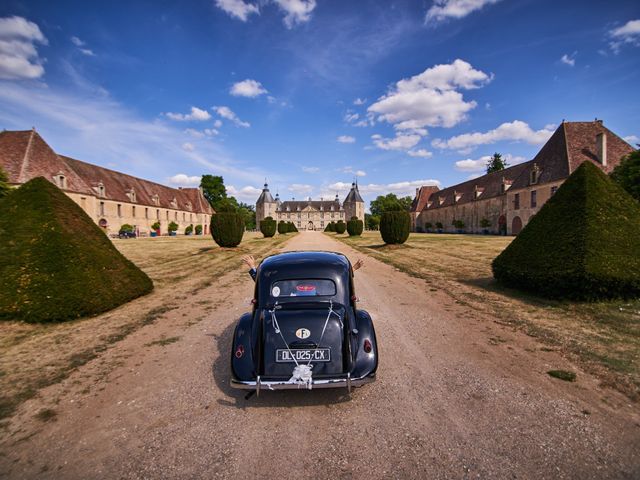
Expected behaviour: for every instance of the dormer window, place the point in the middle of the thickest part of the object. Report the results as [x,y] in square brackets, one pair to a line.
[156,199]
[456,196]
[429,204]
[477,191]
[61,180]
[505,185]
[132,195]
[101,190]
[174,203]
[440,200]
[535,174]
[189,206]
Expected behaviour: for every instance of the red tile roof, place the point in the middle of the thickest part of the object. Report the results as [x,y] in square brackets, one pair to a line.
[422,197]
[571,144]
[25,155]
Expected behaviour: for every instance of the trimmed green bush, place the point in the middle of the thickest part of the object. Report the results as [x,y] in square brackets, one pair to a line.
[331,227]
[484,223]
[283,227]
[583,244]
[439,225]
[155,226]
[188,230]
[227,228]
[126,228]
[198,229]
[173,227]
[268,227]
[395,226]
[341,227]
[292,227]
[355,227]
[56,263]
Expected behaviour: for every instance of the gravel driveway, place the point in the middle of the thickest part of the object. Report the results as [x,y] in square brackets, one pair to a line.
[457,396]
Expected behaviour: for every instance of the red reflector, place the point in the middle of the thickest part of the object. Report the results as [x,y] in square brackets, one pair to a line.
[239,351]
[367,346]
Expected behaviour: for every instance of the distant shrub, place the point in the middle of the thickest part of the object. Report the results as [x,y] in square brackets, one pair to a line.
[268,227]
[188,230]
[331,227]
[341,227]
[459,224]
[283,227]
[155,226]
[292,227]
[484,223]
[395,226]
[428,226]
[439,225]
[355,227]
[173,227]
[227,228]
[198,229]
[126,228]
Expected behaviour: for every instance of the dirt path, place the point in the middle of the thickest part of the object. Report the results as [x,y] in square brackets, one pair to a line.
[457,396]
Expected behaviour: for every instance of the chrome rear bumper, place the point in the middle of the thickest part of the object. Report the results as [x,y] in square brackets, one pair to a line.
[259,384]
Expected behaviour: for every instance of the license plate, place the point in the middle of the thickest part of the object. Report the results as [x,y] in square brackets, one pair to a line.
[303,355]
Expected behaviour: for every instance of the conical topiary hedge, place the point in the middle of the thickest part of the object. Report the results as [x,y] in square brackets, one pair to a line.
[395,226]
[56,263]
[227,228]
[268,227]
[355,227]
[583,244]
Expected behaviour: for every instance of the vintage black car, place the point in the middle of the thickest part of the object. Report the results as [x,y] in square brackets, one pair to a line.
[305,330]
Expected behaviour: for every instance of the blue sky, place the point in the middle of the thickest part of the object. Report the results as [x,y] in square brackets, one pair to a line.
[312,94]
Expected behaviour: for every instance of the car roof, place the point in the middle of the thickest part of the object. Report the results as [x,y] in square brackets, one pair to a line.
[305,261]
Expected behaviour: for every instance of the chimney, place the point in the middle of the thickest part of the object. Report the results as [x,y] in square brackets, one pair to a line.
[417,190]
[601,148]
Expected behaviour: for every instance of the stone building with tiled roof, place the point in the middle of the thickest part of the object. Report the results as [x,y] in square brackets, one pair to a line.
[310,214]
[507,199]
[110,198]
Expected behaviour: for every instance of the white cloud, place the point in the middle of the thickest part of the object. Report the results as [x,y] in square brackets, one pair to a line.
[480,165]
[296,11]
[350,170]
[247,194]
[217,123]
[207,132]
[87,51]
[517,131]
[238,8]
[18,55]
[430,98]
[632,139]
[400,142]
[568,59]
[228,114]
[188,147]
[346,139]
[447,9]
[81,44]
[182,180]
[196,114]
[421,152]
[77,42]
[247,88]
[300,188]
[351,117]
[403,189]
[211,132]
[628,34]
[310,169]
[359,101]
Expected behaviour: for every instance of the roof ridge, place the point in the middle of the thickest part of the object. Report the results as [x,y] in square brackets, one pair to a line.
[25,158]
[566,145]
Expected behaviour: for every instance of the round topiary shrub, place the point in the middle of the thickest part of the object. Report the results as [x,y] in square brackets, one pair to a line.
[283,227]
[198,229]
[341,227]
[188,230]
[268,227]
[395,226]
[126,228]
[227,228]
[355,227]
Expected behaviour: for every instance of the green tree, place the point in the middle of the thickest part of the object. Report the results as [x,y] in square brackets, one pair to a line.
[389,203]
[395,226]
[4,184]
[496,163]
[627,174]
[213,189]
[372,221]
[249,214]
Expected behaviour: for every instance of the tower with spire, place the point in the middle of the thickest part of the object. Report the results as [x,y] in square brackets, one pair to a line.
[266,205]
[354,204]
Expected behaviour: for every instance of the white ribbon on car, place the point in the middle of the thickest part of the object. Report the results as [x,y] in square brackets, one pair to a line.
[302,374]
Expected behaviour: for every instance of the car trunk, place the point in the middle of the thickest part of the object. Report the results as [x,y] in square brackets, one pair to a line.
[299,338]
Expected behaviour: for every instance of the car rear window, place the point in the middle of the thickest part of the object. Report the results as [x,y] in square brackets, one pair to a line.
[303,288]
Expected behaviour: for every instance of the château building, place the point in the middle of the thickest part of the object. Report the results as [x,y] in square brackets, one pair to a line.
[310,214]
[507,199]
[110,198]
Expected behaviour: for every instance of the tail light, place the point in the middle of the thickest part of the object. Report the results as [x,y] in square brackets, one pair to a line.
[367,346]
[239,351]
